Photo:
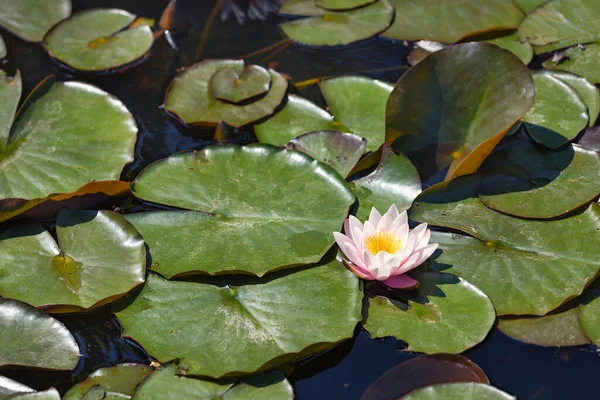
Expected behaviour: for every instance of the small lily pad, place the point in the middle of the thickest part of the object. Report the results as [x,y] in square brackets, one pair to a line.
[588,92]
[461,390]
[122,379]
[31,19]
[10,94]
[589,313]
[98,40]
[335,28]
[48,344]
[339,5]
[227,85]
[582,61]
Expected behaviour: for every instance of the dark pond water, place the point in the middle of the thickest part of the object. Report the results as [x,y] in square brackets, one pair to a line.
[527,371]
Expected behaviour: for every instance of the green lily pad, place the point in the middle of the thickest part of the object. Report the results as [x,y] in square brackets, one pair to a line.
[335,28]
[8,387]
[10,93]
[511,42]
[301,8]
[562,23]
[189,98]
[57,145]
[98,40]
[100,257]
[31,19]
[121,379]
[529,5]
[341,151]
[457,126]
[556,330]
[298,116]
[531,266]
[395,181]
[49,394]
[589,313]
[227,85]
[447,315]
[270,321]
[448,22]
[264,209]
[358,103]
[588,92]
[558,114]
[2,48]
[582,61]
[166,384]
[340,5]
[49,344]
[460,390]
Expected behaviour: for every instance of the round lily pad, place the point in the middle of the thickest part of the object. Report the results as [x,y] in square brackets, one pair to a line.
[99,256]
[8,387]
[588,92]
[448,22]
[227,85]
[558,114]
[121,379]
[190,99]
[31,19]
[98,40]
[49,344]
[529,5]
[589,313]
[461,390]
[342,4]
[263,208]
[580,60]
[512,43]
[57,145]
[269,321]
[10,93]
[334,28]
[447,315]
[48,394]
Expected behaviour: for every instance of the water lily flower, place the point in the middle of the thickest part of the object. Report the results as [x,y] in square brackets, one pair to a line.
[384,248]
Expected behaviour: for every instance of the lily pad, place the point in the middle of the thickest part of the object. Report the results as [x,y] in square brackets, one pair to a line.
[461,390]
[298,116]
[447,315]
[49,394]
[358,103]
[582,61]
[511,42]
[189,97]
[562,23]
[48,344]
[10,93]
[340,5]
[264,208]
[531,266]
[31,19]
[341,151]
[590,315]
[98,40]
[457,126]
[8,387]
[270,321]
[558,114]
[395,181]
[335,28]
[449,22]
[588,92]
[57,145]
[121,379]
[77,274]
[2,48]
[529,5]
[228,85]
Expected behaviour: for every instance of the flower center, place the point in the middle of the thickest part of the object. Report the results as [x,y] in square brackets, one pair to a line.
[383,241]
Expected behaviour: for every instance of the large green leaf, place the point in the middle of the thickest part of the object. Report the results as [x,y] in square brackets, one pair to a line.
[98,40]
[121,379]
[190,99]
[461,390]
[8,387]
[58,145]
[589,313]
[264,209]
[99,256]
[580,60]
[334,28]
[32,338]
[449,21]
[268,321]
[439,124]
[447,315]
[588,92]
[558,114]
[358,103]
[31,19]
[10,94]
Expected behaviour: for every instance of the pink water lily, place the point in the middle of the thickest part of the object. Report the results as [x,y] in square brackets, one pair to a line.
[384,248]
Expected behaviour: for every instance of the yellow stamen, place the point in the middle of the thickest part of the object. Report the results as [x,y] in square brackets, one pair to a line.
[383,241]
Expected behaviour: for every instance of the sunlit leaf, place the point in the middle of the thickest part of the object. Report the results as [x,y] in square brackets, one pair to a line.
[229,85]
[588,92]
[342,4]
[48,394]
[121,379]
[462,390]
[529,5]
[30,19]
[512,43]
[8,387]
[590,315]
[580,60]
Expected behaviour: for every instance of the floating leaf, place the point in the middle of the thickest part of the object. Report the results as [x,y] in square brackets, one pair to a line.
[100,257]
[558,114]
[334,28]
[341,151]
[8,387]
[512,43]
[31,19]
[49,394]
[395,181]
[270,321]
[591,138]
[189,97]
[590,315]
[358,103]
[448,22]
[99,40]
[32,338]
[423,371]
[457,126]
[529,5]
[121,379]
[580,60]
[10,93]
[588,92]
[448,315]
[2,48]
[342,4]
[264,209]
[227,85]
[461,390]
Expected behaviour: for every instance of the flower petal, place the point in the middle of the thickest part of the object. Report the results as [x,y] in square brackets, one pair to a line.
[386,223]
[409,263]
[358,271]
[401,282]
[359,240]
[426,252]
[393,211]
[341,239]
[374,216]
[369,230]
[355,256]
[353,223]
